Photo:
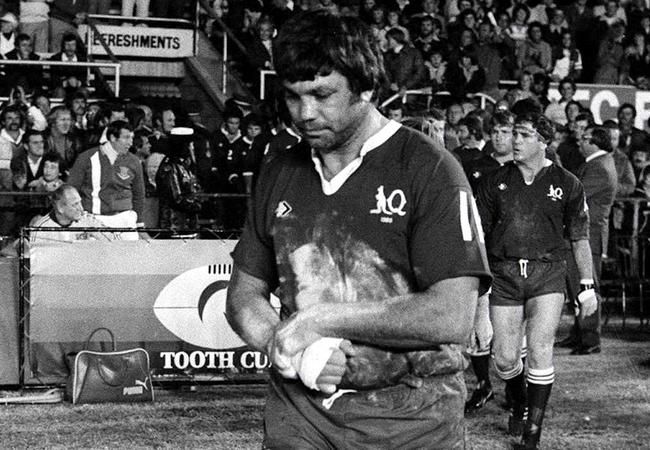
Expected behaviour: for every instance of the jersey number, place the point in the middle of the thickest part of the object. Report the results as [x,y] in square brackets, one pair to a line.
[467,202]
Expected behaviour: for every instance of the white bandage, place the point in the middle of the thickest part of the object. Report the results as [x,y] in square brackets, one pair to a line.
[314,358]
[286,366]
[586,298]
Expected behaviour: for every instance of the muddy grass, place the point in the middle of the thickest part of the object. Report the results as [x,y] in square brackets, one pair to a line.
[598,402]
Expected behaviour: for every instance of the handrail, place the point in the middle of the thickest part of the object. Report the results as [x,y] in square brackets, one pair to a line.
[46,63]
[228,33]
[93,28]
[139,19]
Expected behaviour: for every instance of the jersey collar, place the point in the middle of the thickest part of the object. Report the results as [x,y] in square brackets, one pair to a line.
[330,187]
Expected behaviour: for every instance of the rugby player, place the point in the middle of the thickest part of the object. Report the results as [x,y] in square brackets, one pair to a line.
[529,208]
[371,234]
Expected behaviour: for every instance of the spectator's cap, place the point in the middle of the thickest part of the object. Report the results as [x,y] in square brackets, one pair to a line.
[193,109]
[253,5]
[11,18]
[181,131]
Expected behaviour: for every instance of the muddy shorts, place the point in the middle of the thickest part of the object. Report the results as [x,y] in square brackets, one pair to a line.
[400,416]
[516,281]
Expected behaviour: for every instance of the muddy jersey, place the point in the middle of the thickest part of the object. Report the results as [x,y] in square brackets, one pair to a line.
[404,220]
[476,169]
[533,221]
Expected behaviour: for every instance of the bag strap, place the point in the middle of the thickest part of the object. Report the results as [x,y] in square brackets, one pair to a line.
[95,331]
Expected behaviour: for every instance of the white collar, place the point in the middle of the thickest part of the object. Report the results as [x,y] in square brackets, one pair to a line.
[8,137]
[330,187]
[595,155]
[109,151]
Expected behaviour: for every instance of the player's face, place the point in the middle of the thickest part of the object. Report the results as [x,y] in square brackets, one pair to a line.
[232,125]
[395,114]
[253,130]
[325,111]
[50,171]
[501,137]
[526,143]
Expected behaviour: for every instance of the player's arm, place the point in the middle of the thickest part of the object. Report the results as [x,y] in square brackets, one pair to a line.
[249,311]
[443,314]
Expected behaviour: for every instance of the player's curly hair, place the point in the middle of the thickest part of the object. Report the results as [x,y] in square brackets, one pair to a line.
[318,43]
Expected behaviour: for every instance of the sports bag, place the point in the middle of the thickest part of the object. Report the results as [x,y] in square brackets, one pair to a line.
[115,376]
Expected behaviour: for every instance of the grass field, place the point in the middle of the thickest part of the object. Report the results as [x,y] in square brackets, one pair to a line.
[598,402]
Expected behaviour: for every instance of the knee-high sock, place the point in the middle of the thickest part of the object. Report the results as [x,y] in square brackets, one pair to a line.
[516,387]
[540,382]
[481,366]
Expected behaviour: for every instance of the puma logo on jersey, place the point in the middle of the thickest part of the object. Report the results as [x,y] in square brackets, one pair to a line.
[393,204]
[555,194]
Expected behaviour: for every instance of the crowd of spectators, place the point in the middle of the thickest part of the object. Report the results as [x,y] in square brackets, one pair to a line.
[468,46]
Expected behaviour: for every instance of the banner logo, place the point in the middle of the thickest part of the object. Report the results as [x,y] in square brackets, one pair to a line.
[192,306]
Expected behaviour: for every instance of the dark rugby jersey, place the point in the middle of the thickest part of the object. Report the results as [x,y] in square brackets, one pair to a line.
[531,221]
[404,220]
[476,169]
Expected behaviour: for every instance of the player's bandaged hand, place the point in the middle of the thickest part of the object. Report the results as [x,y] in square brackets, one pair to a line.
[323,364]
[587,301]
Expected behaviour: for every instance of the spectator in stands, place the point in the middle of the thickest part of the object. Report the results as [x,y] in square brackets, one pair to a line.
[428,36]
[428,8]
[610,12]
[393,20]
[228,132]
[518,29]
[110,179]
[543,12]
[638,57]
[365,10]
[534,55]
[555,30]
[142,150]
[27,166]
[328,5]
[163,124]
[567,60]
[68,77]
[260,50]
[624,169]
[541,84]
[30,78]
[437,71]
[246,153]
[466,22]
[631,136]
[140,7]
[78,105]
[466,76]
[61,138]
[12,132]
[405,9]
[202,162]
[177,185]
[404,65]
[167,8]
[395,111]
[65,16]
[636,11]
[569,151]
[35,23]
[489,58]
[612,65]
[572,110]
[51,179]
[147,121]
[8,26]
[555,111]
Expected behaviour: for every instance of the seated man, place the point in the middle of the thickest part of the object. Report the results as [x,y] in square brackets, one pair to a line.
[68,213]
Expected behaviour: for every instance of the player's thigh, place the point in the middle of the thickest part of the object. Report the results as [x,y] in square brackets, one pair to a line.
[543,318]
[507,323]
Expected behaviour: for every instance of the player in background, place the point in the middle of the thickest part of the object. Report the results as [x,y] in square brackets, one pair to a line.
[529,208]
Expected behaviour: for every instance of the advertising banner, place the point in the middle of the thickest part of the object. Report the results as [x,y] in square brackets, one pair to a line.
[148,42]
[603,100]
[167,296]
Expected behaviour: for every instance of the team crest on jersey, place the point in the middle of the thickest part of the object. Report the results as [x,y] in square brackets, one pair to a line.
[555,194]
[389,205]
[476,174]
[123,173]
[502,186]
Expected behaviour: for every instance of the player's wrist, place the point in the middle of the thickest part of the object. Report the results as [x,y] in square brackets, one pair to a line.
[586,284]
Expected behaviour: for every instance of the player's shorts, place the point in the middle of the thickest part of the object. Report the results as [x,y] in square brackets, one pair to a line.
[516,281]
[399,416]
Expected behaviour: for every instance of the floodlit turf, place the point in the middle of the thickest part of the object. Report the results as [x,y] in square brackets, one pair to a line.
[598,402]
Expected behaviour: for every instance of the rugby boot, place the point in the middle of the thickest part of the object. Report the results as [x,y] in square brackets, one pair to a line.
[480,397]
[516,425]
[530,438]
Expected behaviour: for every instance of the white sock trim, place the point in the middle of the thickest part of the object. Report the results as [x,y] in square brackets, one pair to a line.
[541,376]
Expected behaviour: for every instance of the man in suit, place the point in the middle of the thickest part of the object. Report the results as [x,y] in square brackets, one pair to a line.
[600,180]
[29,77]
[68,76]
